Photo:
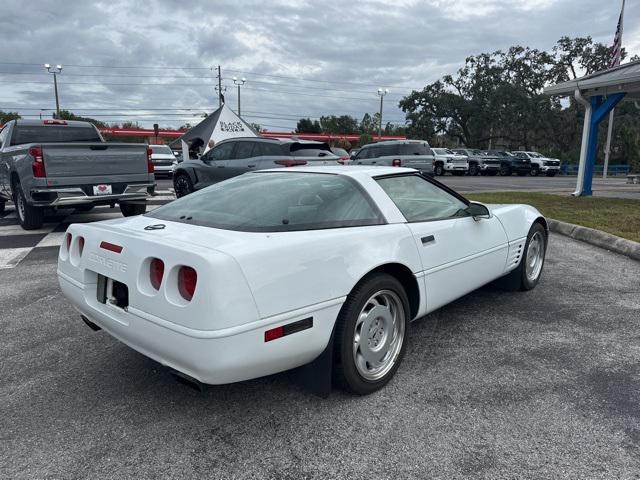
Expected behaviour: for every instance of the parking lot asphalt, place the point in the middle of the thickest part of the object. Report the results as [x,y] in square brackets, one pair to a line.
[541,384]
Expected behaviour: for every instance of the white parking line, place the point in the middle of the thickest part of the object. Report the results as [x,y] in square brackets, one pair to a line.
[7,230]
[10,257]
[54,239]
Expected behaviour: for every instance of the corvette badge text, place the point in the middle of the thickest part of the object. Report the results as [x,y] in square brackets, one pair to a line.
[108,263]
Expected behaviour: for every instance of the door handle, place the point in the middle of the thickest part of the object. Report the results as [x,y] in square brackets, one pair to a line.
[220,166]
[250,166]
[428,239]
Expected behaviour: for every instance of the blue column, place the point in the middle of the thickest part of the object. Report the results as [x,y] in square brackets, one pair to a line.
[600,109]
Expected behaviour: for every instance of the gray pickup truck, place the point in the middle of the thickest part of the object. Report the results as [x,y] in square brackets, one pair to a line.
[56,164]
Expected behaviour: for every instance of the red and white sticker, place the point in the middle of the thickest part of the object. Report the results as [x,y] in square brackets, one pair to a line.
[102,190]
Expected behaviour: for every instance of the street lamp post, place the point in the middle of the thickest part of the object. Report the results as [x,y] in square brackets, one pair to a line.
[382,93]
[55,69]
[239,82]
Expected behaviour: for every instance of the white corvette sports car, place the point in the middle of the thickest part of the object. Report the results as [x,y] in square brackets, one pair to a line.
[276,269]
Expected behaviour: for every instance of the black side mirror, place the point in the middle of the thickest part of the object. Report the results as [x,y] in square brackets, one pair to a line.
[478,211]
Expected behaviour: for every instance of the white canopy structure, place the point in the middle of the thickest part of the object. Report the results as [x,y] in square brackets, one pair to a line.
[219,125]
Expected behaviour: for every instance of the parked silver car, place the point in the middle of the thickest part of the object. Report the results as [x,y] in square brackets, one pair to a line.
[236,156]
[397,153]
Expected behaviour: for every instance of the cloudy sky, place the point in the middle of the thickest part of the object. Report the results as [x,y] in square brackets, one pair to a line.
[152,61]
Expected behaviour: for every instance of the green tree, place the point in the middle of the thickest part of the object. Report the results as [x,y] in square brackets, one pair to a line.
[306,125]
[8,116]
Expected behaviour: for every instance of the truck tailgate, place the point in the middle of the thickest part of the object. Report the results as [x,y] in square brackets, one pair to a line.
[94,159]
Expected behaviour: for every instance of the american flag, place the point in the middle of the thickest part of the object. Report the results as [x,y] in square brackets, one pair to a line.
[616,49]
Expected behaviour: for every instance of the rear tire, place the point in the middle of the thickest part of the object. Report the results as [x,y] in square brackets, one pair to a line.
[473,170]
[438,170]
[132,209]
[30,217]
[505,170]
[371,334]
[528,272]
[535,171]
[182,185]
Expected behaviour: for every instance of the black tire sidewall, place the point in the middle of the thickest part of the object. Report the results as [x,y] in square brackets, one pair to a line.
[33,216]
[345,371]
[188,182]
[525,283]
[535,171]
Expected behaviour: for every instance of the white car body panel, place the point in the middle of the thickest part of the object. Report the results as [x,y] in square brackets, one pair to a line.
[251,282]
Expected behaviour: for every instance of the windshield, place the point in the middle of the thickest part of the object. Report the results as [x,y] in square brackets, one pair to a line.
[440,151]
[53,134]
[276,202]
[161,149]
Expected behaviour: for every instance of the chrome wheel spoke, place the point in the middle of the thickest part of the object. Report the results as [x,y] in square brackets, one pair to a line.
[378,335]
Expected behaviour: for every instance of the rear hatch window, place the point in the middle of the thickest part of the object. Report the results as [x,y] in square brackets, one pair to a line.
[23,134]
[310,150]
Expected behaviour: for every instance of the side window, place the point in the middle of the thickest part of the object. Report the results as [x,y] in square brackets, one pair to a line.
[222,151]
[245,150]
[420,200]
[269,149]
[414,149]
[386,151]
[363,154]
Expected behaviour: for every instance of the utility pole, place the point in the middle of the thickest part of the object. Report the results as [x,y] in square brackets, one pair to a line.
[219,87]
[55,69]
[382,93]
[239,82]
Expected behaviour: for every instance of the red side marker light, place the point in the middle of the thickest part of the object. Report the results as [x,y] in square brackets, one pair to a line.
[81,244]
[68,239]
[112,247]
[273,334]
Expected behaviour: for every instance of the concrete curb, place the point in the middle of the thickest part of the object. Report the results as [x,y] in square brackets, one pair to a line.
[598,238]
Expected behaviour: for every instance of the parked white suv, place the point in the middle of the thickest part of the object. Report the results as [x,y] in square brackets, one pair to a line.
[540,164]
[448,161]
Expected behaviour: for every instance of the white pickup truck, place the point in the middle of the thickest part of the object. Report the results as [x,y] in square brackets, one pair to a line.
[57,163]
[540,164]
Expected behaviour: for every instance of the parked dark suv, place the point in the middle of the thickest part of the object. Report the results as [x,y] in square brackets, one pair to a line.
[236,156]
[510,164]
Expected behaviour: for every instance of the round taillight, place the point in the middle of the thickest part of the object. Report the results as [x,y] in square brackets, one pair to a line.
[68,238]
[156,271]
[80,244]
[396,162]
[187,279]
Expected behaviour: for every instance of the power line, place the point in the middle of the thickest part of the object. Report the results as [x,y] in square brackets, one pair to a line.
[246,72]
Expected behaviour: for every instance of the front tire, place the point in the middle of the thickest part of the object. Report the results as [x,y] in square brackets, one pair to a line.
[527,275]
[474,170]
[182,185]
[30,217]
[535,171]
[132,209]
[505,171]
[438,170]
[371,334]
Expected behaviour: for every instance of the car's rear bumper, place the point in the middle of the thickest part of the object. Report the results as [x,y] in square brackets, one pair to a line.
[209,356]
[60,197]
